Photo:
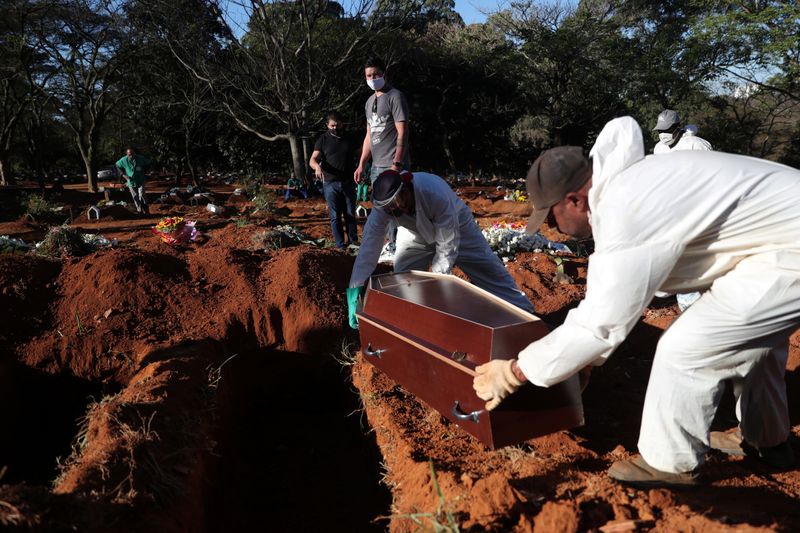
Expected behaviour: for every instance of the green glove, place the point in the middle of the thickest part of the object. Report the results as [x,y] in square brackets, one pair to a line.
[353,296]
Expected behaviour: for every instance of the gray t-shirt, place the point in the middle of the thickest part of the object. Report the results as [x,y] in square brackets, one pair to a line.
[391,107]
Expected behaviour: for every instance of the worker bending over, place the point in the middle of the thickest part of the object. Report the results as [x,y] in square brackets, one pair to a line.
[725,224]
[436,230]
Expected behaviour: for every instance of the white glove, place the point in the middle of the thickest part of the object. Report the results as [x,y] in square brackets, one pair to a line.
[494,381]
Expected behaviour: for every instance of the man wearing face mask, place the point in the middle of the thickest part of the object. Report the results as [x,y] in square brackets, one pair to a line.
[386,141]
[333,160]
[441,233]
[673,136]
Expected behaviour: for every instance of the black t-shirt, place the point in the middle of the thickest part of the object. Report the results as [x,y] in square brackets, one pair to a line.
[338,156]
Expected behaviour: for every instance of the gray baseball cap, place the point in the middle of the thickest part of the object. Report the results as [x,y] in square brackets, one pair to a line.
[667,119]
[555,173]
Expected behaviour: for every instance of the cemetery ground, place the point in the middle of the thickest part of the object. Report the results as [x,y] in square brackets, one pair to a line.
[215,386]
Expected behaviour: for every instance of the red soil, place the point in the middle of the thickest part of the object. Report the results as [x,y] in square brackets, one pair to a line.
[173,443]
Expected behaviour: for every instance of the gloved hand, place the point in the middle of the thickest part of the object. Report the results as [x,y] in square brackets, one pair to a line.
[353,296]
[494,381]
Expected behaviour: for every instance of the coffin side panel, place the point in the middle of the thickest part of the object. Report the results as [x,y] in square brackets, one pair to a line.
[535,411]
[433,381]
[449,333]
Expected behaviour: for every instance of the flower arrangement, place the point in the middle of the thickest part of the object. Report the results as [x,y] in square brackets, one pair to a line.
[515,196]
[506,239]
[176,230]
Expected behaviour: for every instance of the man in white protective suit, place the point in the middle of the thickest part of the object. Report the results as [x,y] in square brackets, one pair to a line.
[673,136]
[725,224]
[436,230]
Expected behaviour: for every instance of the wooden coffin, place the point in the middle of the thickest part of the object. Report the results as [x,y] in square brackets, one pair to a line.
[428,332]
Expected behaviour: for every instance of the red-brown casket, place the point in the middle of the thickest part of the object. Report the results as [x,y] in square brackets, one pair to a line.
[428,332]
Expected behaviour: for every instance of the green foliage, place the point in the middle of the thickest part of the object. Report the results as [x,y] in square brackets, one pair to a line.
[251,184]
[264,200]
[281,237]
[37,206]
[199,94]
[63,241]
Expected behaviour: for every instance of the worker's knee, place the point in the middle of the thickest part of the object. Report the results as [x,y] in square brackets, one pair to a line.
[681,349]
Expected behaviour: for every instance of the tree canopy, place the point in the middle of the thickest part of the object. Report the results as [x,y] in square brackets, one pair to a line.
[243,85]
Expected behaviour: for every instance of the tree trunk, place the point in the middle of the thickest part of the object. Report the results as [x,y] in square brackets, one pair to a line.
[3,166]
[451,161]
[179,172]
[187,149]
[91,179]
[298,164]
[306,152]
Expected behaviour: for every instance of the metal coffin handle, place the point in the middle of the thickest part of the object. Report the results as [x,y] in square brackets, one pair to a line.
[373,353]
[461,415]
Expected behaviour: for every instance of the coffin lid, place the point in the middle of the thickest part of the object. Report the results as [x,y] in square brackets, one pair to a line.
[452,296]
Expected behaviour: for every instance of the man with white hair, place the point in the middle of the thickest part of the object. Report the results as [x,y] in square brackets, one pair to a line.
[725,224]
[436,231]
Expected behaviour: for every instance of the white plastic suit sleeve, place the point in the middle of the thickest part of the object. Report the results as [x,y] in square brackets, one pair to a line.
[445,233]
[371,246]
[620,284]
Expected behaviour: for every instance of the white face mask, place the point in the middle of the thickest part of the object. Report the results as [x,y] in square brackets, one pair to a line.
[666,138]
[376,84]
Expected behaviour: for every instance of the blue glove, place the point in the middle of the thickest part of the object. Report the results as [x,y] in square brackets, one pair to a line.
[353,296]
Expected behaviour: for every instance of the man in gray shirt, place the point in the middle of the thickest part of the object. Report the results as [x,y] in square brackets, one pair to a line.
[386,141]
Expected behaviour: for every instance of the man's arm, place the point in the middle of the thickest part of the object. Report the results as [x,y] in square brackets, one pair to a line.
[371,245]
[366,153]
[400,116]
[314,163]
[620,284]
[402,141]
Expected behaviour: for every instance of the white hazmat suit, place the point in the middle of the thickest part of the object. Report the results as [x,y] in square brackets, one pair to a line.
[722,223]
[688,141]
[441,234]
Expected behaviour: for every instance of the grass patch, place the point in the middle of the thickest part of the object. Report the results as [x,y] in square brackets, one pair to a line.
[282,237]
[38,209]
[63,241]
[348,355]
[442,520]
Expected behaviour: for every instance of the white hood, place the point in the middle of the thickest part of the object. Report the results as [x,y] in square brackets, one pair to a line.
[618,146]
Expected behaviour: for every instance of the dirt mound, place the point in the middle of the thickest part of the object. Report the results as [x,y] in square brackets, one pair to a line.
[24,229]
[26,286]
[146,329]
[504,208]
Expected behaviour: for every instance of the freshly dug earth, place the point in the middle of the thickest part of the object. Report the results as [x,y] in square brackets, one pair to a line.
[202,389]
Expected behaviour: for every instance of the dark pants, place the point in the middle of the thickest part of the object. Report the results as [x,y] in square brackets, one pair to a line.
[292,190]
[341,199]
[139,199]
